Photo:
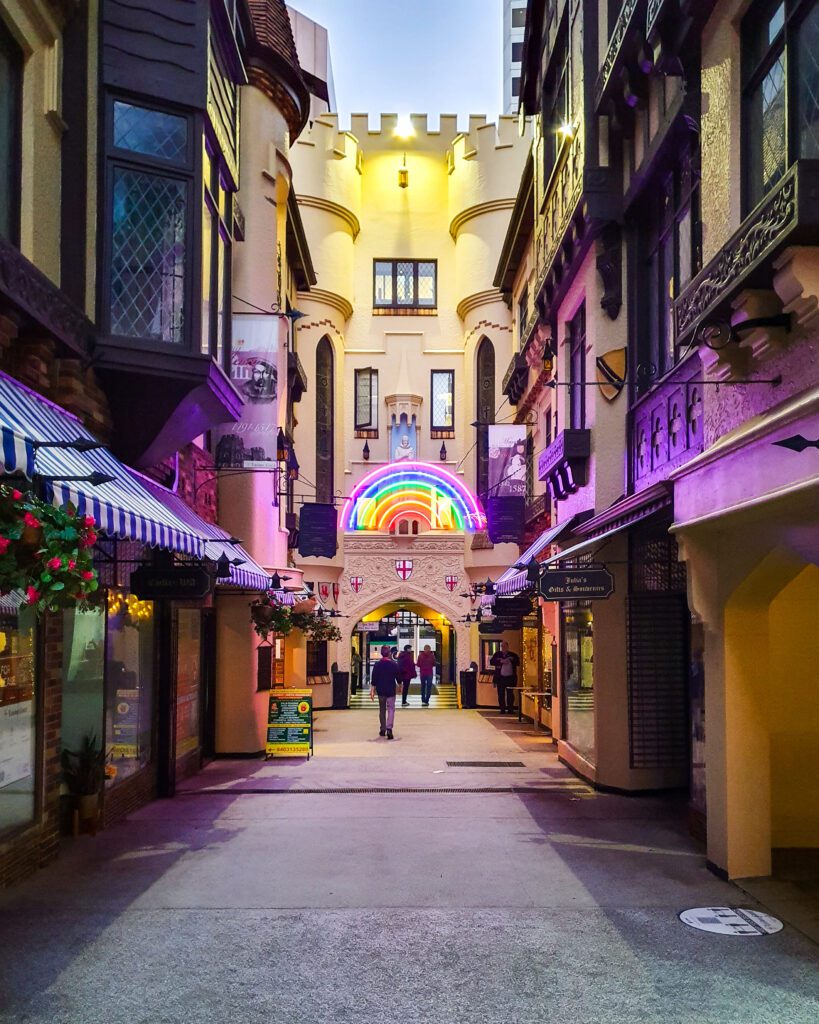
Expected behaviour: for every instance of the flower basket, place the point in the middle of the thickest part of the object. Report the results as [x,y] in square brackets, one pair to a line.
[316,627]
[268,616]
[46,552]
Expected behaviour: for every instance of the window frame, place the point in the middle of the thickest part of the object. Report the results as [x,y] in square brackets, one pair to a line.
[16,60]
[576,376]
[185,172]
[414,306]
[370,429]
[316,650]
[552,118]
[432,375]
[221,231]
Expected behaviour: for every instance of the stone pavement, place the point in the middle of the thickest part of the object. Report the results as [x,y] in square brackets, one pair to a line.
[263,893]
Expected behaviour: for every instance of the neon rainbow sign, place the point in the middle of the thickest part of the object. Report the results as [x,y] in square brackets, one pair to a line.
[412,489]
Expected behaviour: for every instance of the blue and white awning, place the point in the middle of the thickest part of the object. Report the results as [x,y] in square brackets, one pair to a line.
[122,507]
[513,579]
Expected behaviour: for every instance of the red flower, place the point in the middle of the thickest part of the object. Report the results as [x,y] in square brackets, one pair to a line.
[87,574]
[31,520]
[4,545]
[17,495]
[72,564]
[89,521]
[32,595]
[55,563]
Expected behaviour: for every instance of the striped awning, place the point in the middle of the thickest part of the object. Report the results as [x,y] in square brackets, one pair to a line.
[216,541]
[123,507]
[513,579]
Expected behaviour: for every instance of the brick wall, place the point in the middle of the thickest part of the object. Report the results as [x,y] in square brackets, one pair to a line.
[30,848]
[128,796]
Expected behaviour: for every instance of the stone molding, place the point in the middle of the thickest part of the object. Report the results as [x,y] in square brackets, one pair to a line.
[328,298]
[478,210]
[328,206]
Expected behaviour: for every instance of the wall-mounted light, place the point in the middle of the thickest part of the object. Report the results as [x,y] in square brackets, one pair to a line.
[281,446]
[566,131]
[292,466]
[365,452]
[442,453]
[403,174]
[549,359]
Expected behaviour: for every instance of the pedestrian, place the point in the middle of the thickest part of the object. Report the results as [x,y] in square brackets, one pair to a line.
[426,670]
[406,673]
[384,682]
[506,664]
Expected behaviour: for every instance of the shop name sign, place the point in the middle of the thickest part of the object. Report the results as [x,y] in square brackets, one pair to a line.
[576,584]
[177,583]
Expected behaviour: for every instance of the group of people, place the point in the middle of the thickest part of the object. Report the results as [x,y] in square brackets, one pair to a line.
[394,670]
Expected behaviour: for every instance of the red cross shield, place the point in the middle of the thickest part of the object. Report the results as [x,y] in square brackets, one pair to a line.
[404,568]
[356,582]
[451,582]
[324,591]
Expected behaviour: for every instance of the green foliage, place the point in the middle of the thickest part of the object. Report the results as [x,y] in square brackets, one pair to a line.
[268,616]
[316,627]
[84,769]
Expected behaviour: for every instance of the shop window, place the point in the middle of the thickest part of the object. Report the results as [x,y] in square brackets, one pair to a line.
[316,658]
[129,684]
[488,649]
[324,421]
[83,677]
[149,228]
[18,712]
[485,409]
[780,78]
[578,677]
[577,369]
[405,284]
[188,680]
[366,401]
[442,404]
[11,90]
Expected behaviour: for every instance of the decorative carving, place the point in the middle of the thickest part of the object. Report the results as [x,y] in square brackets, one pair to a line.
[31,291]
[610,268]
[563,464]
[653,12]
[756,237]
[623,24]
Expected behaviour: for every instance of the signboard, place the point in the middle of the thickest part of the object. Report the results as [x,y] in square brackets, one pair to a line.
[505,519]
[507,460]
[369,627]
[317,531]
[593,584]
[290,723]
[251,443]
[16,741]
[177,583]
[514,606]
[497,625]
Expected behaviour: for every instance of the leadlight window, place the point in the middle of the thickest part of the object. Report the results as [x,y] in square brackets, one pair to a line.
[366,400]
[577,369]
[217,229]
[485,409]
[556,105]
[780,76]
[11,88]
[405,284]
[151,175]
[324,421]
[442,400]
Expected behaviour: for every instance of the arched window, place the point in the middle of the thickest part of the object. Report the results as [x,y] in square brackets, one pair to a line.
[485,408]
[415,527]
[403,526]
[324,421]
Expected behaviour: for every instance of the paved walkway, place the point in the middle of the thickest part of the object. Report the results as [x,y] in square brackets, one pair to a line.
[258,895]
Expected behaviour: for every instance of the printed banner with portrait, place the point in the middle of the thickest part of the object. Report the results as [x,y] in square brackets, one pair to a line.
[507,460]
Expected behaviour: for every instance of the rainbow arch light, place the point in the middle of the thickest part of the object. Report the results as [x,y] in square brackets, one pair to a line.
[412,489]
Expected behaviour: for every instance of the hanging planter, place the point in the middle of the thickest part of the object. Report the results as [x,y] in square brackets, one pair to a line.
[46,552]
[268,616]
[316,627]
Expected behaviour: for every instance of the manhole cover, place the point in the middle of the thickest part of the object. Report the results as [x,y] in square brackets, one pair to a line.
[731,921]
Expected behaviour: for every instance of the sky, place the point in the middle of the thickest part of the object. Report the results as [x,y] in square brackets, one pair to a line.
[413,56]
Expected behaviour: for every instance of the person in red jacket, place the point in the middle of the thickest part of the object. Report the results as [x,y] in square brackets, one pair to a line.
[406,673]
[426,670]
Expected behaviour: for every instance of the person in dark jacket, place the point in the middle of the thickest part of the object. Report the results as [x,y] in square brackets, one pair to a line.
[383,683]
[426,670]
[505,663]
[406,673]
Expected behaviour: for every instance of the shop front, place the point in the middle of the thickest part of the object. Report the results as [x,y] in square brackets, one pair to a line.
[20,714]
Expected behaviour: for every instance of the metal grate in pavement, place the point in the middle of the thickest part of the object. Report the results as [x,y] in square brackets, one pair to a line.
[485,764]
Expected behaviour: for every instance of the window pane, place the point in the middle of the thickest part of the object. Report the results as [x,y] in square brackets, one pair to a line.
[374,400]
[767,131]
[11,77]
[518,17]
[148,256]
[404,283]
[685,241]
[666,304]
[363,399]
[18,712]
[777,22]
[426,284]
[207,272]
[517,52]
[222,284]
[83,675]
[188,680]
[383,284]
[129,683]
[151,132]
[808,85]
[578,673]
[443,413]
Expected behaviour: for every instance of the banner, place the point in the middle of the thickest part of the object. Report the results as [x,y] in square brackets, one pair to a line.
[290,723]
[318,524]
[505,519]
[251,443]
[507,461]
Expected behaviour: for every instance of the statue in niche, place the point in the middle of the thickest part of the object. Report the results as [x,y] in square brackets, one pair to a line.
[403,441]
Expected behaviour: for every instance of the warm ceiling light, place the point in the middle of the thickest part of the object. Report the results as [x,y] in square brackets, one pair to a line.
[404,128]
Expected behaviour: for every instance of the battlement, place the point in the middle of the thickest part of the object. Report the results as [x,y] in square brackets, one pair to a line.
[483,136]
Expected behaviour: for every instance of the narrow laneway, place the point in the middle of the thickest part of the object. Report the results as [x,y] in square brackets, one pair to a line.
[286,892]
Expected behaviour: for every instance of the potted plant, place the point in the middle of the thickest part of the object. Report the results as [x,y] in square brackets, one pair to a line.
[83,773]
[268,616]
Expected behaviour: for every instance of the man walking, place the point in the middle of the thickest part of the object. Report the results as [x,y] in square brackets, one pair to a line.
[406,673]
[506,674]
[383,682]
[426,670]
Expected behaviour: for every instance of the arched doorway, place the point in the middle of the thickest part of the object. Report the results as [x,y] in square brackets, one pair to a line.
[398,624]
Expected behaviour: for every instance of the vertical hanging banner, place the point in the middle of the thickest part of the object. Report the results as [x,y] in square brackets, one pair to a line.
[290,724]
[507,460]
[251,443]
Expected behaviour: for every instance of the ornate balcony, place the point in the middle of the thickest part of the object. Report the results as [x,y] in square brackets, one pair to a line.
[563,464]
[788,215]
[514,382]
[536,508]
[626,48]
[666,425]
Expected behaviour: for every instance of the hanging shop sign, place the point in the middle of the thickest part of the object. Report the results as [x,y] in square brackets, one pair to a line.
[369,627]
[176,583]
[290,723]
[594,584]
[512,606]
[505,517]
[500,625]
[318,524]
